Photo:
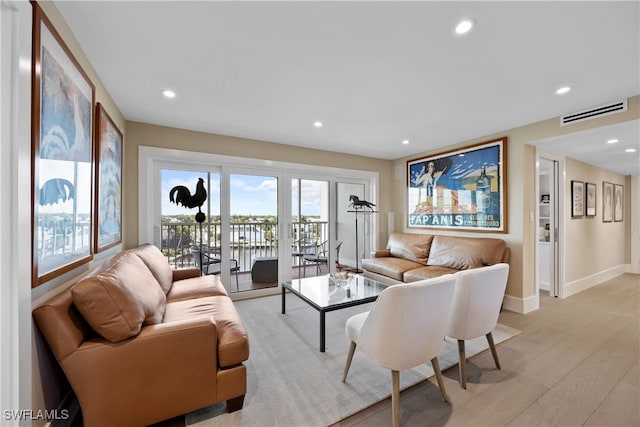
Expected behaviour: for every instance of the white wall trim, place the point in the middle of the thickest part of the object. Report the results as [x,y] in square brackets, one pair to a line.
[521,305]
[587,282]
[15,211]
[634,217]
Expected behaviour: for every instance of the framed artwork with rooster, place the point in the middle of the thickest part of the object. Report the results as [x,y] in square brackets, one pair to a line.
[62,156]
[108,203]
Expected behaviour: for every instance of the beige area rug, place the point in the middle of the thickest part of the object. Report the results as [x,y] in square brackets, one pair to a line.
[290,383]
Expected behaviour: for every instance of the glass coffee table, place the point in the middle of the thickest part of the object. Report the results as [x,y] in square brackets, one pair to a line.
[324,294]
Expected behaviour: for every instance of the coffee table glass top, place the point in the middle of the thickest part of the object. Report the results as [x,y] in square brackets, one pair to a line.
[323,292]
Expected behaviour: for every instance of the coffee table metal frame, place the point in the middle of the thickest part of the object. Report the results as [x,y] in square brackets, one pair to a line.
[323,309]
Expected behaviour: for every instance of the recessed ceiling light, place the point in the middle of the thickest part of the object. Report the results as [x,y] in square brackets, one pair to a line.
[563,90]
[405,141]
[630,150]
[317,124]
[169,93]
[465,26]
[612,141]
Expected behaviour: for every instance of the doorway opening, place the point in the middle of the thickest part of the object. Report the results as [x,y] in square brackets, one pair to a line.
[548,221]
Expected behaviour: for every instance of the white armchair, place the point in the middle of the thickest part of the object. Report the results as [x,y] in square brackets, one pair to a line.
[476,305]
[404,329]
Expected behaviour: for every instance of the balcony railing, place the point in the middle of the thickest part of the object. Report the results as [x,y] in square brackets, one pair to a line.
[248,240]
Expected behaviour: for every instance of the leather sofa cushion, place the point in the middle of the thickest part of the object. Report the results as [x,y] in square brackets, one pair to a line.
[389,266]
[233,343]
[118,300]
[157,264]
[427,272]
[414,247]
[462,253]
[196,287]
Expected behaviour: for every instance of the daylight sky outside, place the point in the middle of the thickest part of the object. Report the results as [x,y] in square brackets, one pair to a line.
[250,195]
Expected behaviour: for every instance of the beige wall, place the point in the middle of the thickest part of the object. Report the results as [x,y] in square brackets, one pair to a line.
[158,136]
[521,189]
[593,246]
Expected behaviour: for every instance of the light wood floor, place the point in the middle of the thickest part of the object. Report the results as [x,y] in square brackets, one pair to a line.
[574,364]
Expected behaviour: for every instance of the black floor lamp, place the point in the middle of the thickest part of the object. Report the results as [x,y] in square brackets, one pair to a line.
[365,208]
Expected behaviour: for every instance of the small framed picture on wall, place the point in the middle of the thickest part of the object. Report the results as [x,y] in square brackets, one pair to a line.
[618,202]
[591,199]
[607,201]
[577,199]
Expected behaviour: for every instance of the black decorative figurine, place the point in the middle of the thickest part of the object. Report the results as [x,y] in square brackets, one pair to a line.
[181,195]
[356,203]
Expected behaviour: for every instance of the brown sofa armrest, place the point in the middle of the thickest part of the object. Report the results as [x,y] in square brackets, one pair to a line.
[381,253]
[506,256]
[172,366]
[185,273]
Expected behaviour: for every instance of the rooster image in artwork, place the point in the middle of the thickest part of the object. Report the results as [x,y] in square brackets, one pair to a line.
[180,195]
[55,190]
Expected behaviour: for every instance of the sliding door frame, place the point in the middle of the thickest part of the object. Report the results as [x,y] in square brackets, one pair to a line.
[152,159]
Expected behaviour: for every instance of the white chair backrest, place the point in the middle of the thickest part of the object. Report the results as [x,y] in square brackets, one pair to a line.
[406,325]
[476,304]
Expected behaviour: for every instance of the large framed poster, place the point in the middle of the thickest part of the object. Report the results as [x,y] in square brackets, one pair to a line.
[464,189]
[62,156]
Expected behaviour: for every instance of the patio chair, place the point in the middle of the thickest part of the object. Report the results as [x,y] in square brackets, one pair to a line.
[211,265]
[318,256]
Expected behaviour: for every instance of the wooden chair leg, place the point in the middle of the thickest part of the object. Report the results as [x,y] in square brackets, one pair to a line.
[395,397]
[436,369]
[347,365]
[462,364]
[492,346]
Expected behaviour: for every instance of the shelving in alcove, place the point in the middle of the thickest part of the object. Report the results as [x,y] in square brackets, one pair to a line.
[544,208]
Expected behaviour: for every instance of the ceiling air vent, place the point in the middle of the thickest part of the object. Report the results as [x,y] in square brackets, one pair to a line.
[592,113]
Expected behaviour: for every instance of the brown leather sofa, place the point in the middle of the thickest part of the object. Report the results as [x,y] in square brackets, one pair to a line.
[141,343]
[411,257]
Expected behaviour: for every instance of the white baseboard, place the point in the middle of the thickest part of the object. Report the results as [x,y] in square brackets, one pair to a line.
[532,303]
[521,305]
[587,282]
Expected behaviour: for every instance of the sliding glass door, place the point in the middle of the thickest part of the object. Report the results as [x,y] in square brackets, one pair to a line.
[262,224]
[253,229]
[310,236]
[190,232]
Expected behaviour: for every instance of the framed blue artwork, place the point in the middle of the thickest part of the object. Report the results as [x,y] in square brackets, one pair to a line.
[62,156]
[108,221]
[464,189]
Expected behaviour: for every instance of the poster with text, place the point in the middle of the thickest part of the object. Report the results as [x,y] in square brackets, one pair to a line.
[463,189]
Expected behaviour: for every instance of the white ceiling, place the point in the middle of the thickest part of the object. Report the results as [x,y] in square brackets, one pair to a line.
[375,73]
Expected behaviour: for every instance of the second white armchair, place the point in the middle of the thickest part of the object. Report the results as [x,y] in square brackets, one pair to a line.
[476,305]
